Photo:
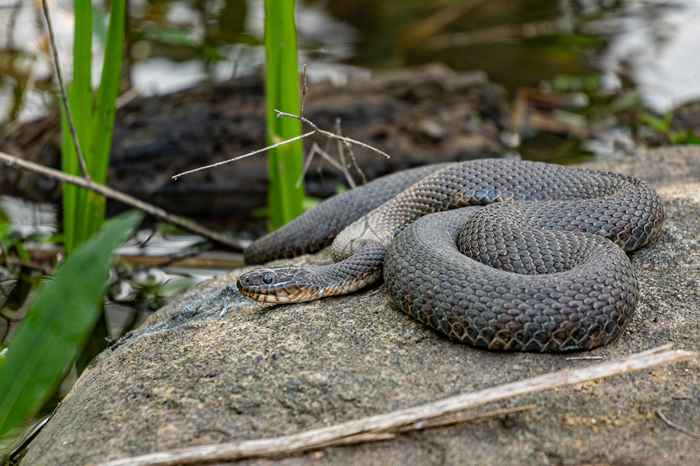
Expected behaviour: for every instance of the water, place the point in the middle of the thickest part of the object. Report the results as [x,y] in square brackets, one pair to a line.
[518,43]
[591,48]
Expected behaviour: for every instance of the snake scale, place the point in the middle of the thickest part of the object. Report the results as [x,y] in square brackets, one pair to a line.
[499,254]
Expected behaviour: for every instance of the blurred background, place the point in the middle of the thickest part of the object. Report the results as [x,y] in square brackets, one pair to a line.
[173,44]
[431,80]
[427,81]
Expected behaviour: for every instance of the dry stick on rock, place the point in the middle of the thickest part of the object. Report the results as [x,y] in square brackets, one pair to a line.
[673,425]
[12,161]
[403,420]
[62,91]
[585,358]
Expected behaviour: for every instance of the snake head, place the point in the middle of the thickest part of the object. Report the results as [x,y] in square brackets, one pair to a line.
[278,285]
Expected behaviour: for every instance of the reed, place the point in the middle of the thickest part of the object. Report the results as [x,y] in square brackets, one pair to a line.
[282,87]
[93,117]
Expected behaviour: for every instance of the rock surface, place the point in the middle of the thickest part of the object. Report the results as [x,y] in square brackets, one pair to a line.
[208,368]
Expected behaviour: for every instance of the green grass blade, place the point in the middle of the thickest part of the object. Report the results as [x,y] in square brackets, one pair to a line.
[80,101]
[285,163]
[105,110]
[58,323]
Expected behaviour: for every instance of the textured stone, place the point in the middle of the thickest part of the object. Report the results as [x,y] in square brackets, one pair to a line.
[208,368]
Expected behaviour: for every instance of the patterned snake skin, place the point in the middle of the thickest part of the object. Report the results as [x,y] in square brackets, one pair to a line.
[499,254]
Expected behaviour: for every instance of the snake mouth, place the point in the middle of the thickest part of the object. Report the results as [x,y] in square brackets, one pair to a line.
[279,296]
[279,285]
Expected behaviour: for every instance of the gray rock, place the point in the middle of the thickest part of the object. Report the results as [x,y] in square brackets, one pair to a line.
[193,376]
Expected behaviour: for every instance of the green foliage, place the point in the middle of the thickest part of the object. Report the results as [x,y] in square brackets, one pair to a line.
[664,126]
[57,325]
[571,83]
[84,211]
[285,164]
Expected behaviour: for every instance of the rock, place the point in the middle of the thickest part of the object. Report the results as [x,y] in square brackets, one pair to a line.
[208,368]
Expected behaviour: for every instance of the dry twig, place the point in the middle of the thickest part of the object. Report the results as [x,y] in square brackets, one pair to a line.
[585,358]
[316,149]
[314,130]
[387,425]
[62,91]
[342,145]
[673,425]
[330,134]
[249,154]
[124,198]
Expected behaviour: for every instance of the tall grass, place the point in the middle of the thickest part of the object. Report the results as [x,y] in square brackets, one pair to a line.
[84,211]
[285,163]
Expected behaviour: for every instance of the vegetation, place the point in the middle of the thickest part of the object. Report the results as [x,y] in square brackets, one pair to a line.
[83,211]
[57,325]
[285,163]
[663,125]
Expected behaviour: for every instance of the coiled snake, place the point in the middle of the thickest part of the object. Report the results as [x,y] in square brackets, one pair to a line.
[499,254]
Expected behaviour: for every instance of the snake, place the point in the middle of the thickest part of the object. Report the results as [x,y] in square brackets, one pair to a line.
[500,254]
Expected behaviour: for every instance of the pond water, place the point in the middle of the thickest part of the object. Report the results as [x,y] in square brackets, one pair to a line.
[523,43]
[586,46]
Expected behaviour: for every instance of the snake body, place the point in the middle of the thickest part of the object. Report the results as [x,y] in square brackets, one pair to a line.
[499,254]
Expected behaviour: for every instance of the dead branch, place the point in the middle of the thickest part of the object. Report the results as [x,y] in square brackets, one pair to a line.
[342,145]
[315,130]
[249,154]
[673,425]
[124,198]
[403,420]
[330,134]
[62,91]
[316,150]
[585,358]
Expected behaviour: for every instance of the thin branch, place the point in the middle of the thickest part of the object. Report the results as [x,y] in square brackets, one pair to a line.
[249,154]
[62,91]
[316,149]
[673,425]
[341,154]
[442,421]
[330,134]
[342,144]
[304,89]
[402,420]
[315,130]
[462,417]
[106,191]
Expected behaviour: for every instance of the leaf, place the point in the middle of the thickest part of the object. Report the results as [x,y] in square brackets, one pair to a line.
[57,325]
[659,125]
[693,139]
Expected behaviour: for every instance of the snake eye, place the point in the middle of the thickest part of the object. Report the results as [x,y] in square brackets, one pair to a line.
[267,278]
